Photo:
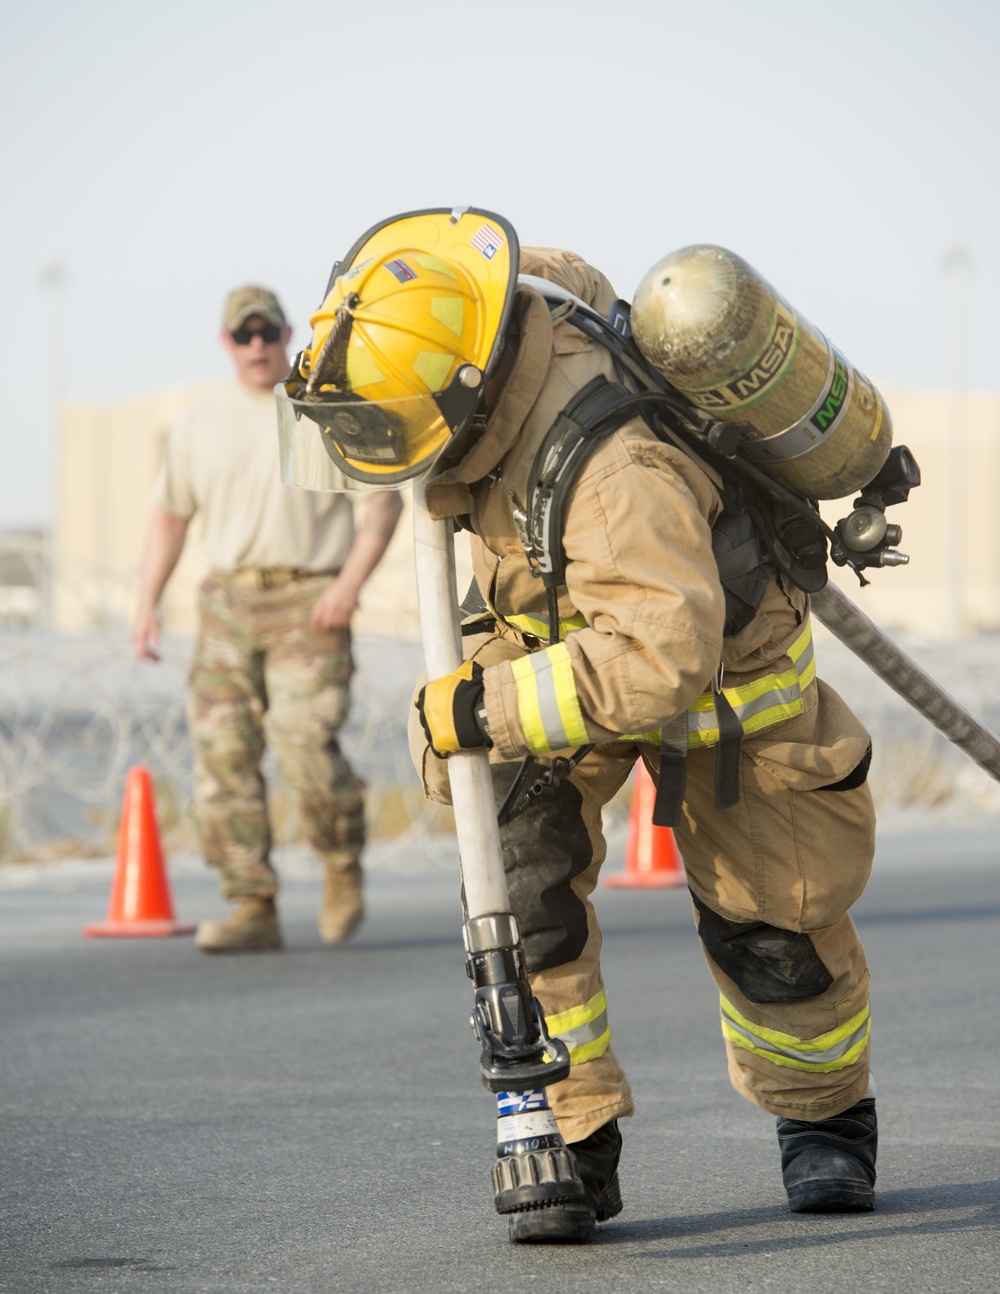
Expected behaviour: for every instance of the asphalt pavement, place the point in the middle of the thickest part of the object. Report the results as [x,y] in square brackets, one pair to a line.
[312,1120]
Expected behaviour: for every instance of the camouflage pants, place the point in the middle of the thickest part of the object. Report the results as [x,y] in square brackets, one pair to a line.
[262,673]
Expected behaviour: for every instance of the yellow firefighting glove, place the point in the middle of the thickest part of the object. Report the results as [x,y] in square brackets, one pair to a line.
[452,711]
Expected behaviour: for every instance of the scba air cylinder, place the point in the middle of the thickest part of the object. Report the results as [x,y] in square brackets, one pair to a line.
[721,335]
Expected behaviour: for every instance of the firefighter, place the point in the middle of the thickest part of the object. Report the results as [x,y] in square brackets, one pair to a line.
[428,357]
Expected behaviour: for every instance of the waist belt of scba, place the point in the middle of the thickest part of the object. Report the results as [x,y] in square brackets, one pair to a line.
[550,711]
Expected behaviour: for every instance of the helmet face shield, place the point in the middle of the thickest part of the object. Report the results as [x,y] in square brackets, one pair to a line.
[359,440]
[371,433]
[402,347]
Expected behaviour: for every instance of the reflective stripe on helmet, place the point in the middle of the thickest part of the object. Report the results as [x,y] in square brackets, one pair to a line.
[547,703]
[584,1029]
[823,1055]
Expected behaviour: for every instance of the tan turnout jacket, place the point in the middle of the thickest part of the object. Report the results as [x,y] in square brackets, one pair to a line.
[643,639]
[640,572]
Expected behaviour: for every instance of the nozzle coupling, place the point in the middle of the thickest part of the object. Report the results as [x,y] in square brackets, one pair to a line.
[509,1023]
[533,1167]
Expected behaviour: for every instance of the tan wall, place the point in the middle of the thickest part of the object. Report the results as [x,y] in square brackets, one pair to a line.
[106,462]
[951,523]
[108,456]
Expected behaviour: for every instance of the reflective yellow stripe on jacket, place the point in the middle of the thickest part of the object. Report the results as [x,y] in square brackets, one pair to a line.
[584,1029]
[547,703]
[549,708]
[539,625]
[830,1051]
[757,705]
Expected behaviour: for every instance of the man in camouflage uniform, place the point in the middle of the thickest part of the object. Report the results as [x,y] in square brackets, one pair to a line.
[273,658]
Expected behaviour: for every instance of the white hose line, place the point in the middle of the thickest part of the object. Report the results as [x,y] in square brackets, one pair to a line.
[468,771]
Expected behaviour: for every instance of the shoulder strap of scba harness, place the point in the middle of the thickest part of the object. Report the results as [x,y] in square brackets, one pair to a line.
[594,413]
[746,537]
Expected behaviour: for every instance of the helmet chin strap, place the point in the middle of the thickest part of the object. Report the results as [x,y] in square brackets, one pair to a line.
[471,430]
[498,379]
[475,424]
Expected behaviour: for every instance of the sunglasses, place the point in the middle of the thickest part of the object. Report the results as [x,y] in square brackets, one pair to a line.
[270,333]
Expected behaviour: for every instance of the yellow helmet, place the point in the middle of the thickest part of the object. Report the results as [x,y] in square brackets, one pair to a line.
[411,329]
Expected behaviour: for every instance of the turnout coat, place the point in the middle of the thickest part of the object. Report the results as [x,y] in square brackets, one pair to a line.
[642,641]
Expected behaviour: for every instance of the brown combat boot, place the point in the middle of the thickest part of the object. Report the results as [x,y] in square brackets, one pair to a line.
[251,927]
[342,909]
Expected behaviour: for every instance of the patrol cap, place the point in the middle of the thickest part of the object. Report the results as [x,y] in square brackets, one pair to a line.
[251,300]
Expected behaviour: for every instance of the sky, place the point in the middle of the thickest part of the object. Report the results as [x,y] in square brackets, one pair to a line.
[154,156]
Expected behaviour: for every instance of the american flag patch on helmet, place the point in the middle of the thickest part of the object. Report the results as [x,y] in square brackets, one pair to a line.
[487,240]
[401,270]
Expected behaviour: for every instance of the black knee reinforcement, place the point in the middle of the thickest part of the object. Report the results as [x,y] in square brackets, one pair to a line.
[766,964]
[545,844]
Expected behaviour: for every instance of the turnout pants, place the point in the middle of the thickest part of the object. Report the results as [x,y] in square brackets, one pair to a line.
[261,674]
[772,879]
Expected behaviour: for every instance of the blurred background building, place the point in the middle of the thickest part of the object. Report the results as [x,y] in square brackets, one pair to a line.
[77,710]
[108,456]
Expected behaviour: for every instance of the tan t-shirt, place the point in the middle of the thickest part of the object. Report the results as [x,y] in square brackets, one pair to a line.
[221,461]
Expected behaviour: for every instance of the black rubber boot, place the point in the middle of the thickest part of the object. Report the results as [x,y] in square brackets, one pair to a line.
[829,1166]
[574,1222]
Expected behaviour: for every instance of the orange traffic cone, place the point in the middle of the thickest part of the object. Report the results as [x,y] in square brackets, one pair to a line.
[140,894]
[652,860]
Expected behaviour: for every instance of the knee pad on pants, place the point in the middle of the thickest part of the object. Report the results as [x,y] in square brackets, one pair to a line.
[766,964]
[545,845]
